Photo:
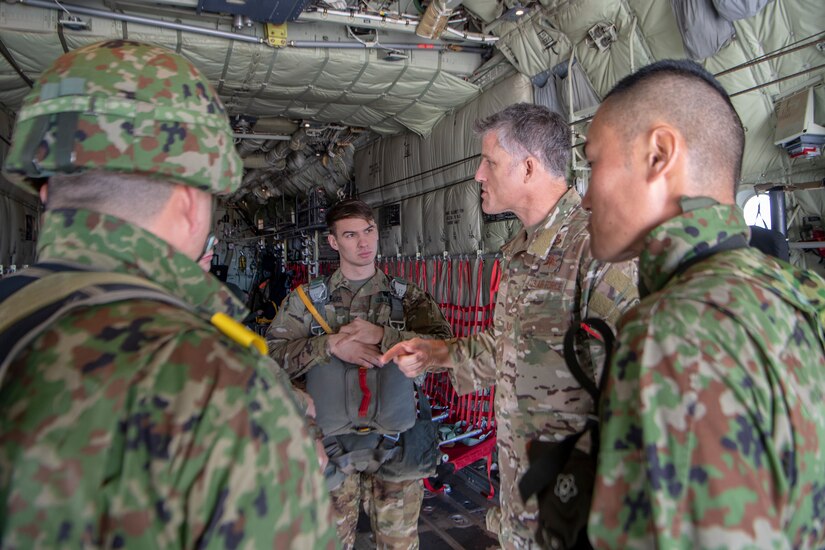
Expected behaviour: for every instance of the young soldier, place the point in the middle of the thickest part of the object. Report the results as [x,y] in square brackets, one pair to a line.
[139,422]
[713,422]
[367,312]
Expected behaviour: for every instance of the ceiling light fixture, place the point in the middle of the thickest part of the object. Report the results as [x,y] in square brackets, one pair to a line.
[514,13]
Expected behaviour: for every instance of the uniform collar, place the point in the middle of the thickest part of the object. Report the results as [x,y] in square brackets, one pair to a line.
[703,224]
[543,238]
[379,282]
[107,243]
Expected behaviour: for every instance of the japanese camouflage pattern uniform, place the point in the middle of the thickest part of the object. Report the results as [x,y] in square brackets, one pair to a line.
[111,421]
[138,424]
[549,282]
[393,506]
[714,420]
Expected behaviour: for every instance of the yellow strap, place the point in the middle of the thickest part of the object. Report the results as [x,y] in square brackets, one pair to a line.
[239,333]
[311,308]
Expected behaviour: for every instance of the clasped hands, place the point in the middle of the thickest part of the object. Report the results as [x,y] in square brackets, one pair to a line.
[358,342]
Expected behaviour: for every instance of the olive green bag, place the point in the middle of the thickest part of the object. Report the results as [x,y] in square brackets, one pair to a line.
[419,447]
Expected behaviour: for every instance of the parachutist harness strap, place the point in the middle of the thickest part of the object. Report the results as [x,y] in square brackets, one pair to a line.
[314,312]
[316,299]
[355,430]
[32,300]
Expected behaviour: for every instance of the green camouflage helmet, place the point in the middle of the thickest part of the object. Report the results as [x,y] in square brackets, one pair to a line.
[124,106]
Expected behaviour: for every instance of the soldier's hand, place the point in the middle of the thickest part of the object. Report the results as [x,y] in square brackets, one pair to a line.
[347,348]
[414,357]
[306,400]
[363,331]
[323,459]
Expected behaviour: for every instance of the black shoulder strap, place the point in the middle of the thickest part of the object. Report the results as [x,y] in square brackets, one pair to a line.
[733,242]
[589,325]
[398,288]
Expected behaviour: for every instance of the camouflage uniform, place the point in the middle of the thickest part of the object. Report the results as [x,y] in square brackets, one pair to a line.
[393,507]
[714,423]
[550,281]
[139,424]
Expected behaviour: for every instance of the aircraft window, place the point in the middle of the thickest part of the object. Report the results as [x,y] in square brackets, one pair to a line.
[758,211]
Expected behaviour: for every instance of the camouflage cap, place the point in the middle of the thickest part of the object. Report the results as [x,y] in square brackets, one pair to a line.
[124,106]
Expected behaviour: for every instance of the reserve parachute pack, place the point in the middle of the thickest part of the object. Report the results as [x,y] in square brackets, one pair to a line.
[32,300]
[351,399]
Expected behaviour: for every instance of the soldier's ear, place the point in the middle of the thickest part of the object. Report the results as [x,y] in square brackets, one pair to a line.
[664,148]
[184,221]
[332,242]
[194,205]
[529,167]
[44,192]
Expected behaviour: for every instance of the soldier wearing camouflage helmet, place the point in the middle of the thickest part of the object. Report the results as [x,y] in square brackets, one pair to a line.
[142,421]
[713,418]
[550,283]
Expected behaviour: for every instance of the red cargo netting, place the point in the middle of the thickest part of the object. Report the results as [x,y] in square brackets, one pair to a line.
[301,272]
[468,425]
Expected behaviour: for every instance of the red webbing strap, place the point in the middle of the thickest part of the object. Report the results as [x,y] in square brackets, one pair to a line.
[489,477]
[366,394]
[465,299]
[592,332]
[495,282]
[464,456]
[466,408]
[459,311]
[434,278]
[430,488]
[447,289]
[301,275]
[478,311]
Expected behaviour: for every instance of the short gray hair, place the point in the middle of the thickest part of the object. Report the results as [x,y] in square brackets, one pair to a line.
[132,197]
[527,129]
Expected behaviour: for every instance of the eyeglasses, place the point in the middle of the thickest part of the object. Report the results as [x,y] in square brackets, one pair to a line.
[210,244]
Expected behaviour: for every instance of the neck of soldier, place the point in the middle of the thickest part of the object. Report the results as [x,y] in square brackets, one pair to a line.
[355,272]
[539,200]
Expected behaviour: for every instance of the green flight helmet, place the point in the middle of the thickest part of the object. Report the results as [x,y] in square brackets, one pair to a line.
[124,106]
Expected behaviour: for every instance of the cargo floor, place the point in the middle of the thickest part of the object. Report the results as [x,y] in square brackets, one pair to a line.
[452,519]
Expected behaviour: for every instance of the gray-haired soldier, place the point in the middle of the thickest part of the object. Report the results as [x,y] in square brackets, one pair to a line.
[550,283]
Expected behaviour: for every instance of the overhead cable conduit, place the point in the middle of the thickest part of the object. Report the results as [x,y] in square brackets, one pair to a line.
[93,12]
